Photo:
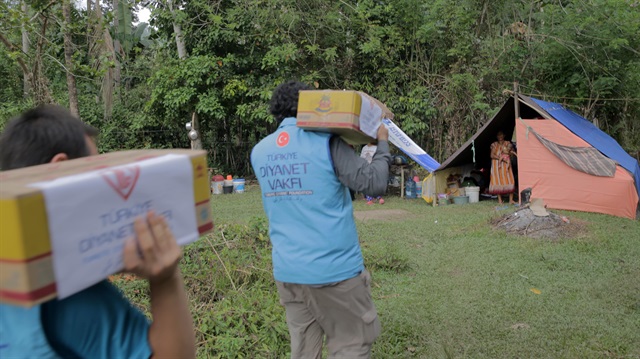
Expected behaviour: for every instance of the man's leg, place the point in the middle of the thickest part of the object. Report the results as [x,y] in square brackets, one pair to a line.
[306,334]
[348,316]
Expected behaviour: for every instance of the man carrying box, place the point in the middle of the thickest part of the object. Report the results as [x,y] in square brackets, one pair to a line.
[317,262]
[97,322]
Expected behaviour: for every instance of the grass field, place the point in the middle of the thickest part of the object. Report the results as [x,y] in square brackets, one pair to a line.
[445,284]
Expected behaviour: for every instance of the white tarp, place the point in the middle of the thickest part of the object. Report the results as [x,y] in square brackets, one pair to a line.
[410,148]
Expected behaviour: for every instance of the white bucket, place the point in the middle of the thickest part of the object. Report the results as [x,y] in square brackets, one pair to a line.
[473,193]
[238,185]
[217,187]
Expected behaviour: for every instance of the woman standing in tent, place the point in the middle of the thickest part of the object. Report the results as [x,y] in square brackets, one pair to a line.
[502,181]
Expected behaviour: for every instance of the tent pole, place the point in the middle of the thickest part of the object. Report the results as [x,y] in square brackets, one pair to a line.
[517,101]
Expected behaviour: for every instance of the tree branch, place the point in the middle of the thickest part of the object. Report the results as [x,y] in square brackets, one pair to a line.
[13,47]
[43,10]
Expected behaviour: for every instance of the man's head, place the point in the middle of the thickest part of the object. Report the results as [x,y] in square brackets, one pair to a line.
[284,101]
[45,134]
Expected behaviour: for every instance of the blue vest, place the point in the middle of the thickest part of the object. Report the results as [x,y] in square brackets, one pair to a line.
[310,213]
[21,334]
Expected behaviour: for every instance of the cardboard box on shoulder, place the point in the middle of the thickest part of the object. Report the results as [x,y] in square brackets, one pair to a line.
[81,211]
[353,115]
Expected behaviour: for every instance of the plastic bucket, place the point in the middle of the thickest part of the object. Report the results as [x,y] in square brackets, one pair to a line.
[460,199]
[216,187]
[473,193]
[238,185]
[227,189]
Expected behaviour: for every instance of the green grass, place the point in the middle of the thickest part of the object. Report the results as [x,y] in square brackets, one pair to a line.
[445,284]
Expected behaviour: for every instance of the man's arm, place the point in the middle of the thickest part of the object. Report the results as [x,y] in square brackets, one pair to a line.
[99,322]
[155,256]
[355,172]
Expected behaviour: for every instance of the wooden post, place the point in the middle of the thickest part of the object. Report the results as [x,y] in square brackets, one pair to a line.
[401,181]
[195,124]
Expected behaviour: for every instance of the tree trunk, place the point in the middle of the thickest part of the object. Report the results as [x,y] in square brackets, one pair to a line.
[90,17]
[68,53]
[182,51]
[116,43]
[103,48]
[177,29]
[182,54]
[26,86]
[40,82]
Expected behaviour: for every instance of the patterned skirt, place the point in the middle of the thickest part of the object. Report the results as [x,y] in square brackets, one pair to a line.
[502,181]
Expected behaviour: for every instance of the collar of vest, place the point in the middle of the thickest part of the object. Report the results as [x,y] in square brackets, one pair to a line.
[289,121]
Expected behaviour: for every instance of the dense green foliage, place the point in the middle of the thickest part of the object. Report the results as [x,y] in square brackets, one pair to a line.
[441,66]
[445,284]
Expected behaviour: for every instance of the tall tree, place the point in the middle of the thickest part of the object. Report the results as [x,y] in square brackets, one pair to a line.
[177,29]
[68,58]
[182,54]
[25,49]
[116,41]
[101,49]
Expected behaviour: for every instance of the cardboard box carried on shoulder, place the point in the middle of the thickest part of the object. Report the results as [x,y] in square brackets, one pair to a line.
[353,115]
[26,263]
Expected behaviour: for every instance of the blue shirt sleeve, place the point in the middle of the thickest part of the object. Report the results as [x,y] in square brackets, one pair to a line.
[98,322]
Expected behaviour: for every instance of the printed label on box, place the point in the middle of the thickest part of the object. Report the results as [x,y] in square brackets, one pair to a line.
[91,215]
[370,116]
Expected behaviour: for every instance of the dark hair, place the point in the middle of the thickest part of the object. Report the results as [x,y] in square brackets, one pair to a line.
[39,134]
[284,101]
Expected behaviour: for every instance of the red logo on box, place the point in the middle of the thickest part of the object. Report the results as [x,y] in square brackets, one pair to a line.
[283,139]
[325,104]
[123,180]
[199,171]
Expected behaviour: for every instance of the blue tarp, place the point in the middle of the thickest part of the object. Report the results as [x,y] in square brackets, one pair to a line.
[593,136]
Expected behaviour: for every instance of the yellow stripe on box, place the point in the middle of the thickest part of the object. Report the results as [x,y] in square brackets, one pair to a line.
[326,102]
[34,232]
[200,179]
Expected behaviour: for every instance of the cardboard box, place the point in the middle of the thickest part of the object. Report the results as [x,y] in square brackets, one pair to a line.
[353,115]
[26,271]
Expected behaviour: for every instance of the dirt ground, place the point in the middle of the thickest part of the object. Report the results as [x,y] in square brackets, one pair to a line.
[523,222]
[381,214]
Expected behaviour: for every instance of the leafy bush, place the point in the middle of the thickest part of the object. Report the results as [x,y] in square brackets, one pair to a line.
[233,297]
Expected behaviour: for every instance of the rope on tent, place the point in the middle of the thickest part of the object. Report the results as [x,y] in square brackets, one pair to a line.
[527,126]
[473,149]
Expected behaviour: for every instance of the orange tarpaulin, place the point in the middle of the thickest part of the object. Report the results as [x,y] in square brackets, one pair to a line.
[563,187]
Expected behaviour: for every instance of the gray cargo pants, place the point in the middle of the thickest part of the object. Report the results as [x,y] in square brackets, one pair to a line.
[343,312]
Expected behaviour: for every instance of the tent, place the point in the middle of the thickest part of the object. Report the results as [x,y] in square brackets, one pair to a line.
[562,157]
